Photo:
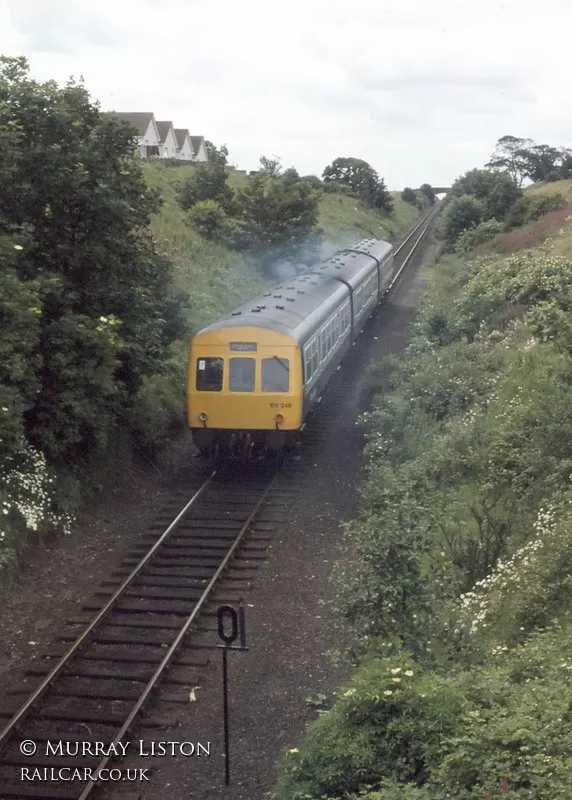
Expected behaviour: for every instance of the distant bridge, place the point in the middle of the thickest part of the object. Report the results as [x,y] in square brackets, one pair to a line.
[441,189]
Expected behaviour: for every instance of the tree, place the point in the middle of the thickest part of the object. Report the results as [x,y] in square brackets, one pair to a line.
[206,182]
[216,155]
[270,166]
[361,180]
[427,190]
[210,220]
[409,196]
[496,190]
[276,217]
[544,161]
[510,156]
[75,205]
[461,214]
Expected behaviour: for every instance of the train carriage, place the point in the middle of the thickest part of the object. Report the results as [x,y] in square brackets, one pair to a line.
[255,375]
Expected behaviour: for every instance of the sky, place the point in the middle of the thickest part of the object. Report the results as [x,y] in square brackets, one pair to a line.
[420,90]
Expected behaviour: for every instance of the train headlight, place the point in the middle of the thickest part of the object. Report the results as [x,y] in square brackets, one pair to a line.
[279,418]
[203,416]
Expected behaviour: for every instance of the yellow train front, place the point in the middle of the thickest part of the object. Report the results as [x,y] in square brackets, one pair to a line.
[244,391]
[255,375]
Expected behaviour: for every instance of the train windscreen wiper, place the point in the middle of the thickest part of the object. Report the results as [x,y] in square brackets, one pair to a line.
[282,364]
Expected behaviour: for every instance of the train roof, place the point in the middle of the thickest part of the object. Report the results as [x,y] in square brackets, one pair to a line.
[296,306]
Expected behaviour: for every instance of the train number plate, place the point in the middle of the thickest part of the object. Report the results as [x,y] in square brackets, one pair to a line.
[280,405]
[243,347]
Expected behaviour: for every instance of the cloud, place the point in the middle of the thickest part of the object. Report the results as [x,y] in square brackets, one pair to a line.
[420,90]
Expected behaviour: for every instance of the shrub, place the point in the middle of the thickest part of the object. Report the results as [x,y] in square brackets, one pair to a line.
[409,196]
[480,234]
[385,727]
[531,207]
[209,219]
[460,214]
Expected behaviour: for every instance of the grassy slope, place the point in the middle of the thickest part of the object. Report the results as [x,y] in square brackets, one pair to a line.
[562,237]
[469,423]
[218,279]
[555,226]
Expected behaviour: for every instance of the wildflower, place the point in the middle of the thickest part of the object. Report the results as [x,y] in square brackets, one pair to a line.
[18,247]
[409,673]
[294,750]
[396,680]
[388,692]
[396,670]
[349,693]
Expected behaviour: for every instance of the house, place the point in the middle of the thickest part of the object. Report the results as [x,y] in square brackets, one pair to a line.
[147,137]
[184,146]
[167,139]
[199,149]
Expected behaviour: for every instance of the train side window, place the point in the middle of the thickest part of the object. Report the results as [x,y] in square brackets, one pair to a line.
[275,374]
[307,363]
[209,374]
[241,374]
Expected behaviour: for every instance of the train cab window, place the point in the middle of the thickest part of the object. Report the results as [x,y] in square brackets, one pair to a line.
[209,374]
[241,374]
[275,374]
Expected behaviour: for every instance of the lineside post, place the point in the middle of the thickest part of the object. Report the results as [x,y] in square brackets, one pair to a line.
[231,625]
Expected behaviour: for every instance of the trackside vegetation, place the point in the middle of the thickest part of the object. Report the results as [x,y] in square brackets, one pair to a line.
[457,580]
[103,280]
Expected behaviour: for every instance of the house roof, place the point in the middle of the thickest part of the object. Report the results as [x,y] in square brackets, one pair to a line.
[139,119]
[181,134]
[196,141]
[163,127]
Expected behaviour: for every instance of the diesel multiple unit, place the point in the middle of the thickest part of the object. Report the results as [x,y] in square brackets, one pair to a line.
[255,375]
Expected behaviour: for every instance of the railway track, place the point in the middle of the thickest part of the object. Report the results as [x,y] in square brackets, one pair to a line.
[130,644]
[138,643]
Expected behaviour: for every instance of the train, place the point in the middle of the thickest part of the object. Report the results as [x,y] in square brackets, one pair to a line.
[255,375]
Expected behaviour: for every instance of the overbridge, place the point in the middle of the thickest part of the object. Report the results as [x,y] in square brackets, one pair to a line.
[441,189]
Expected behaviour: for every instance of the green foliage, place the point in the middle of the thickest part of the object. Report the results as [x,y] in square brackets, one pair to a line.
[510,156]
[497,191]
[481,233]
[532,207]
[461,554]
[216,155]
[461,213]
[521,158]
[409,196]
[270,166]
[85,304]
[275,217]
[208,182]
[210,220]
[427,190]
[361,180]
[313,181]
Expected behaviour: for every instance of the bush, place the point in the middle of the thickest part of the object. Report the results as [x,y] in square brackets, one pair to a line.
[531,207]
[210,220]
[409,196]
[460,214]
[480,234]
[385,727]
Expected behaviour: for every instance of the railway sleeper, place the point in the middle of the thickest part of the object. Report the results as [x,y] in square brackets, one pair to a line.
[237,584]
[145,592]
[139,655]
